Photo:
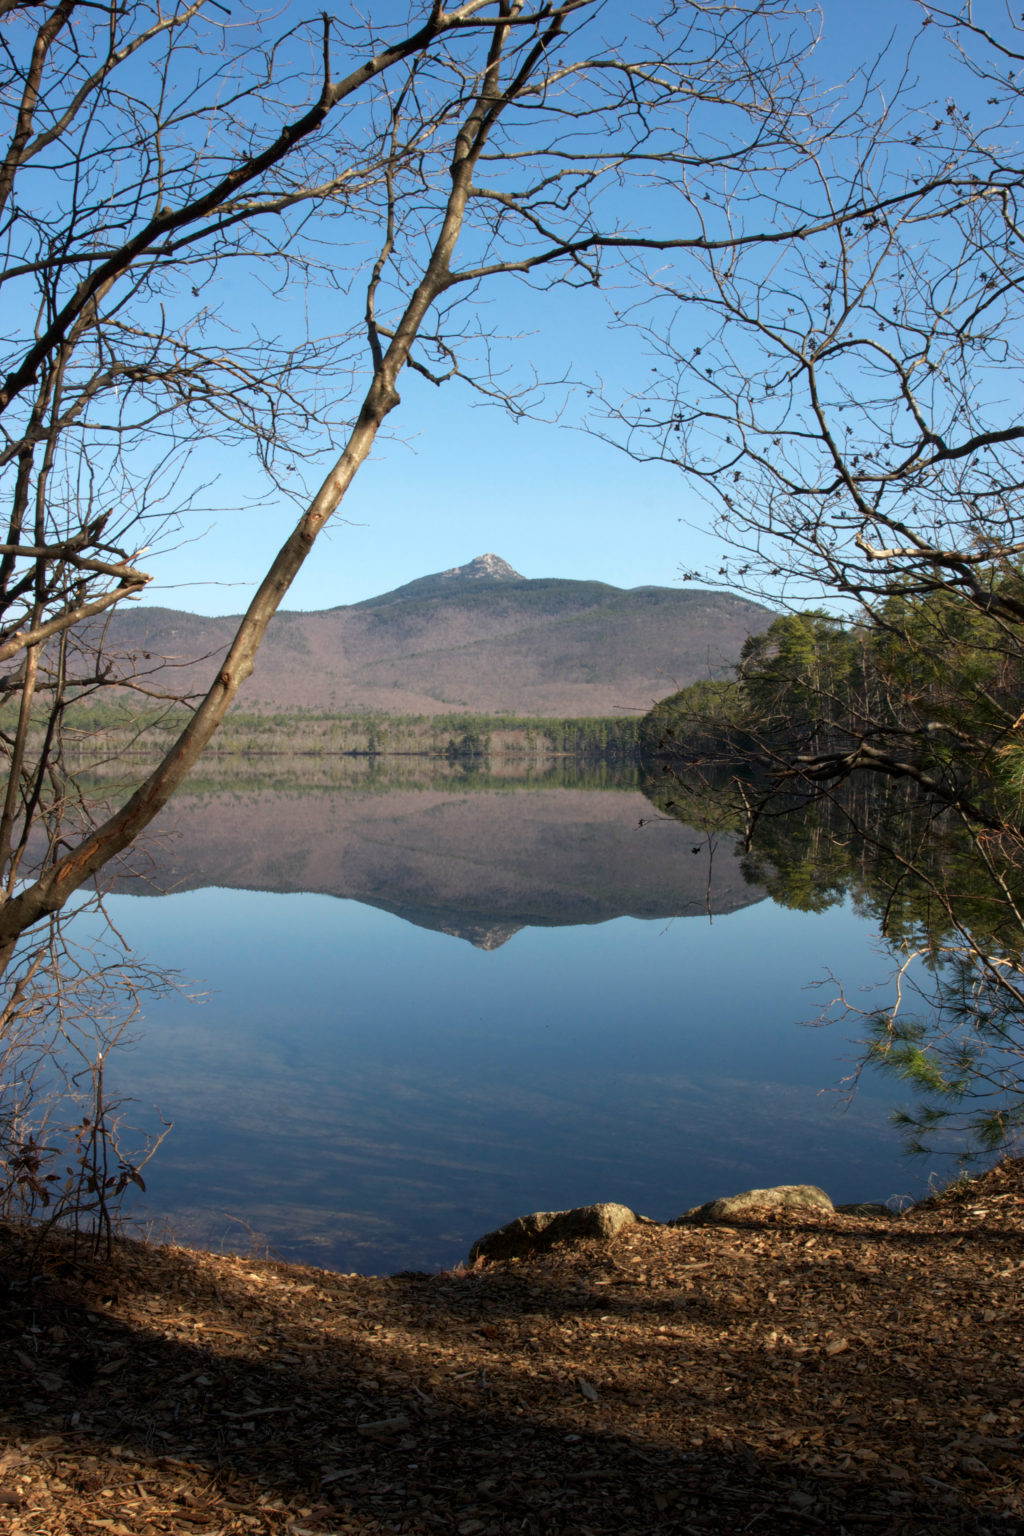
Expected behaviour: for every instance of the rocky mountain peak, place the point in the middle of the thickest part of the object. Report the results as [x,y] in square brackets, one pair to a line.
[491,566]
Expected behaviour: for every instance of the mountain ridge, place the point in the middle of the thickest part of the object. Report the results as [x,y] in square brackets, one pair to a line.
[479,638]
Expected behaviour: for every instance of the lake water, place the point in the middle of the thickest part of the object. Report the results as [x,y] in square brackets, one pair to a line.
[427,1007]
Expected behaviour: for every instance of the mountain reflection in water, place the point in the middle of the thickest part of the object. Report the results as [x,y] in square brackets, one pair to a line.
[478,863]
[371,1095]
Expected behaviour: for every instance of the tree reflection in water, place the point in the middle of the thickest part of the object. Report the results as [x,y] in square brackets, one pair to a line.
[947,899]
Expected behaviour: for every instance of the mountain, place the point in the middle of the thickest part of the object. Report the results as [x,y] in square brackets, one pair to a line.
[479,637]
[491,570]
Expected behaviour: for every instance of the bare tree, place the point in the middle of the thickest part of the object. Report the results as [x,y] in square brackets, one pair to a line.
[851,410]
[849,403]
[153,154]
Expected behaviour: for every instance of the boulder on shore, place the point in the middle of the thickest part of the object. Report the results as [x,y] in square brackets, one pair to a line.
[758,1202]
[542,1229]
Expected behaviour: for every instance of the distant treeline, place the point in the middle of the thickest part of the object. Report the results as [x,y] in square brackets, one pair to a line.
[115,729]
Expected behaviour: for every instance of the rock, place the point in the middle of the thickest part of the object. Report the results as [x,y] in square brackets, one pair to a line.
[866,1208]
[542,1229]
[756,1202]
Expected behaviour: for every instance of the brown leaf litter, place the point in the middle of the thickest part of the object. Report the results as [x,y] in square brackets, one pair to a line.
[817,1374]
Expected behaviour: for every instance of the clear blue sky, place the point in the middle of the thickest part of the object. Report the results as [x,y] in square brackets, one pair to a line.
[465,479]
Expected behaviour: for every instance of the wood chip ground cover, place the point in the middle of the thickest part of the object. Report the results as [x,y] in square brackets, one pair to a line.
[830,1374]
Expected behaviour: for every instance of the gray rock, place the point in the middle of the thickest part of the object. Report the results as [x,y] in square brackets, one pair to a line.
[757,1202]
[542,1229]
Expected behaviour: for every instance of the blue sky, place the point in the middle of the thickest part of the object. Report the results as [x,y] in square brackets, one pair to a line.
[460,479]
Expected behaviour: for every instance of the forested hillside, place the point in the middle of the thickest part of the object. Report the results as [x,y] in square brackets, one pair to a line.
[457,643]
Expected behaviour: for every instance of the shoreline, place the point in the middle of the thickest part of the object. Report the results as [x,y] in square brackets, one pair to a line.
[797,1370]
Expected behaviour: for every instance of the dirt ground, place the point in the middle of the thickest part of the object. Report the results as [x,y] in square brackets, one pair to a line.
[831,1374]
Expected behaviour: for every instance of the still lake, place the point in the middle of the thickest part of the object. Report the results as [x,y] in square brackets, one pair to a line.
[418,1004]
